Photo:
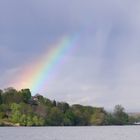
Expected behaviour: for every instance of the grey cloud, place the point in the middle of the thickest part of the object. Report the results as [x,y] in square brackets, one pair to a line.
[106,67]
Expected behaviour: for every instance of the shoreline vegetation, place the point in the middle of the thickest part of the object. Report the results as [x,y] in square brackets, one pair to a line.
[20,108]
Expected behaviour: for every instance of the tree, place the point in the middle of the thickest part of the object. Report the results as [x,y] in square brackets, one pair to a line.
[40,110]
[81,115]
[5,110]
[54,103]
[23,120]
[30,121]
[69,118]
[26,108]
[63,106]
[11,95]
[120,116]
[16,114]
[25,94]
[109,120]
[55,117]
[98,118]
[1,96]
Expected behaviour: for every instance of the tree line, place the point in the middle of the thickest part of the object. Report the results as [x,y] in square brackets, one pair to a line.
[23,109]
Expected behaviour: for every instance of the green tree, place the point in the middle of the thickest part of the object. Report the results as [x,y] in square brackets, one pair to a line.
[1,96]
[63,106]
[120,116]
[38,121]
[69,118]
[10,95]
[55,117]
[98,118]
[23,120]
[16,114]
[54,103]
[26,108]
[4,110]
[82,114]
[25,94]
[109,120]
[30,120]
[35,120]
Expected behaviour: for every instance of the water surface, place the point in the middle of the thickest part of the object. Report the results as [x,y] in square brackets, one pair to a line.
[71,133]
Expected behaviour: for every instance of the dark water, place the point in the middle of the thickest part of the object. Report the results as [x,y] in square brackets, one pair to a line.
[71,133]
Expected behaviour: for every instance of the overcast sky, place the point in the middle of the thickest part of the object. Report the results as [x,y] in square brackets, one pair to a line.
[104,70]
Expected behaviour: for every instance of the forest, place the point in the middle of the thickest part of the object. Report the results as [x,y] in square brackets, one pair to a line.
[20,108]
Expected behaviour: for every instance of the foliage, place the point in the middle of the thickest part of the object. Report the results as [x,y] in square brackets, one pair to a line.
[0,96]
[20,107]
[120,116]
[98,117]
[11,95]
[55,117]
[25,94]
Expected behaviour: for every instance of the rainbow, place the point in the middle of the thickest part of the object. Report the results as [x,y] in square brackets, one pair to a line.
[39,74]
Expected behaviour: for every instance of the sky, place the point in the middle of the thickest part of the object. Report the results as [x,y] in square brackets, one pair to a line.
[104,70]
